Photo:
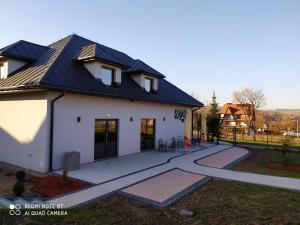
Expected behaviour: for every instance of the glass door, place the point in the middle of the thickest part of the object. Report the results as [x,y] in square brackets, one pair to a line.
[105,139]
[147,134]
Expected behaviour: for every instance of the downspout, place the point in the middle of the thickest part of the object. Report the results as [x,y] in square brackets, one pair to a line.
[52,129]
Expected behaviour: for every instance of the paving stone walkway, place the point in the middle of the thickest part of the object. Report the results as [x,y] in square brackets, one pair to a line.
[188,163]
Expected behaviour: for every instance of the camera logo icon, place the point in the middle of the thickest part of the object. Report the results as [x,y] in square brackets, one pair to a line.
[15,209]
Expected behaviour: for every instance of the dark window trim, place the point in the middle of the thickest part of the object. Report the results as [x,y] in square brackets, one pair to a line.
[1,65]
[113,79]
[151,84]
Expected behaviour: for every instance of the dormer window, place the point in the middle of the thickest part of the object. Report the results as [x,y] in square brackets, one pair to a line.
[148,84]
[107,75]
[1,71]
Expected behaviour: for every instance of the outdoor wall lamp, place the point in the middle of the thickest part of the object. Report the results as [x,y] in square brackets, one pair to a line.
[164,119]
[78,119]
[131,119]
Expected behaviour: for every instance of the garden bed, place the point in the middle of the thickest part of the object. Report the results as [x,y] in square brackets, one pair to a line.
[282,166]
[8,180]
[51,186]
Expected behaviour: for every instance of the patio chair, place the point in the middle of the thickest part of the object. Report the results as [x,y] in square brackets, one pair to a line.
[172,145]
[162,145]
[196,141]
[179,142]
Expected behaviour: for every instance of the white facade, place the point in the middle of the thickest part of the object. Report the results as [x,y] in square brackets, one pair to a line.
[69,135]
[140,80]
[9,66]
[25,126]
[94,67]
[24,130]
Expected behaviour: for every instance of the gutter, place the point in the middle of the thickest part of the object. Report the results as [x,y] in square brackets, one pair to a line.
[52,130]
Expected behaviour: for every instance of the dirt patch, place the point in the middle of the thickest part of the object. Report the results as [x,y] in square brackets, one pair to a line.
[8,180]
[51,186]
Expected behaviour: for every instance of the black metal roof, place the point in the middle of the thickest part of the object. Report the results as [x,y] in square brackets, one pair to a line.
[138,66]
[23,50]
[56,69]
[98,52]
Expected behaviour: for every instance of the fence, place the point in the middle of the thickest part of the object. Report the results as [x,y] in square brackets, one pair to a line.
[262,139]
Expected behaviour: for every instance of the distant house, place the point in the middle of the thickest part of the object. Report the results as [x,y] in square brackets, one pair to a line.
[78,95]
[236,116]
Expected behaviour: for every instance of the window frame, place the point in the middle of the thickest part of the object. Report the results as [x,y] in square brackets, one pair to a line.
[113,70]
[151,84]
[1,68]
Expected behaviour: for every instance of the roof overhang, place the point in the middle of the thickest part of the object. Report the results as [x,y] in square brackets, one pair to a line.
[92,59]
[146,73]
[131,98]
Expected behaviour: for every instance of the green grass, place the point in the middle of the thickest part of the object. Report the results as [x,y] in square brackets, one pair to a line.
[263,143]
[259,159]
[219,202]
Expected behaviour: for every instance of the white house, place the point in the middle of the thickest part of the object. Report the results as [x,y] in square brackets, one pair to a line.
[78,95]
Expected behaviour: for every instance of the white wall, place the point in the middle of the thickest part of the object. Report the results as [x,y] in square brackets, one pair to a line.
[140,80]
[9,66]
[94,68]
[72,136]
[24,130]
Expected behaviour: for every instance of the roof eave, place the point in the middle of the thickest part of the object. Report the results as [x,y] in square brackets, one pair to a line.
[7,55]
[19,87]
[146,73]
[92,93]
[93,58]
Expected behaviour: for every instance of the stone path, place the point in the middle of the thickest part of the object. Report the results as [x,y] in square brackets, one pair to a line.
[187,163]
[163,187]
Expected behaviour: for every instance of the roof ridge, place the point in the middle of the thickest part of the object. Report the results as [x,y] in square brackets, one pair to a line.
[29,42]
[69,36]
[9,46]
[95,42]
[56,58]
[95,48]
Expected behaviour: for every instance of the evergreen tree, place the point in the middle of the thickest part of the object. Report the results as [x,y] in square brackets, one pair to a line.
[213,120]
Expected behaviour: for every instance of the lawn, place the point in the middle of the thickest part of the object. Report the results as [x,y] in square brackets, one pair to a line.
[264,143]
[260,157]
[219,202]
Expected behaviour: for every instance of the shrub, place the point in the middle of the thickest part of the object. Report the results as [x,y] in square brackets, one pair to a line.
[20,175]
[65,178]
[19,189]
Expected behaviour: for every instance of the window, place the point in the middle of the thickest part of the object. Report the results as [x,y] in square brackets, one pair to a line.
[1,71]
[148,84]
[107,75]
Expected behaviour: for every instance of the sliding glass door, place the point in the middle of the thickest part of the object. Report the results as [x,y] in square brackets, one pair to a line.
[106,139]
[147,134]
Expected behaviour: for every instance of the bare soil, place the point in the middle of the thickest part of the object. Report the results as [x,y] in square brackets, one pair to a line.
[8,180]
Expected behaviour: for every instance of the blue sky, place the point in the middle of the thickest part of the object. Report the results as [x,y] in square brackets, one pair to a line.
[201,46]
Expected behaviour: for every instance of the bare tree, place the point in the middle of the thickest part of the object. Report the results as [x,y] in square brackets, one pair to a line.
[251,101]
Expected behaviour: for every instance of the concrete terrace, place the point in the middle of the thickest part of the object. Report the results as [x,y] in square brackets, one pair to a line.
[109,169]
[150,184]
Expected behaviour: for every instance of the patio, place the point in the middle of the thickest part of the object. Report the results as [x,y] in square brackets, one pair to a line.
[110,169]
